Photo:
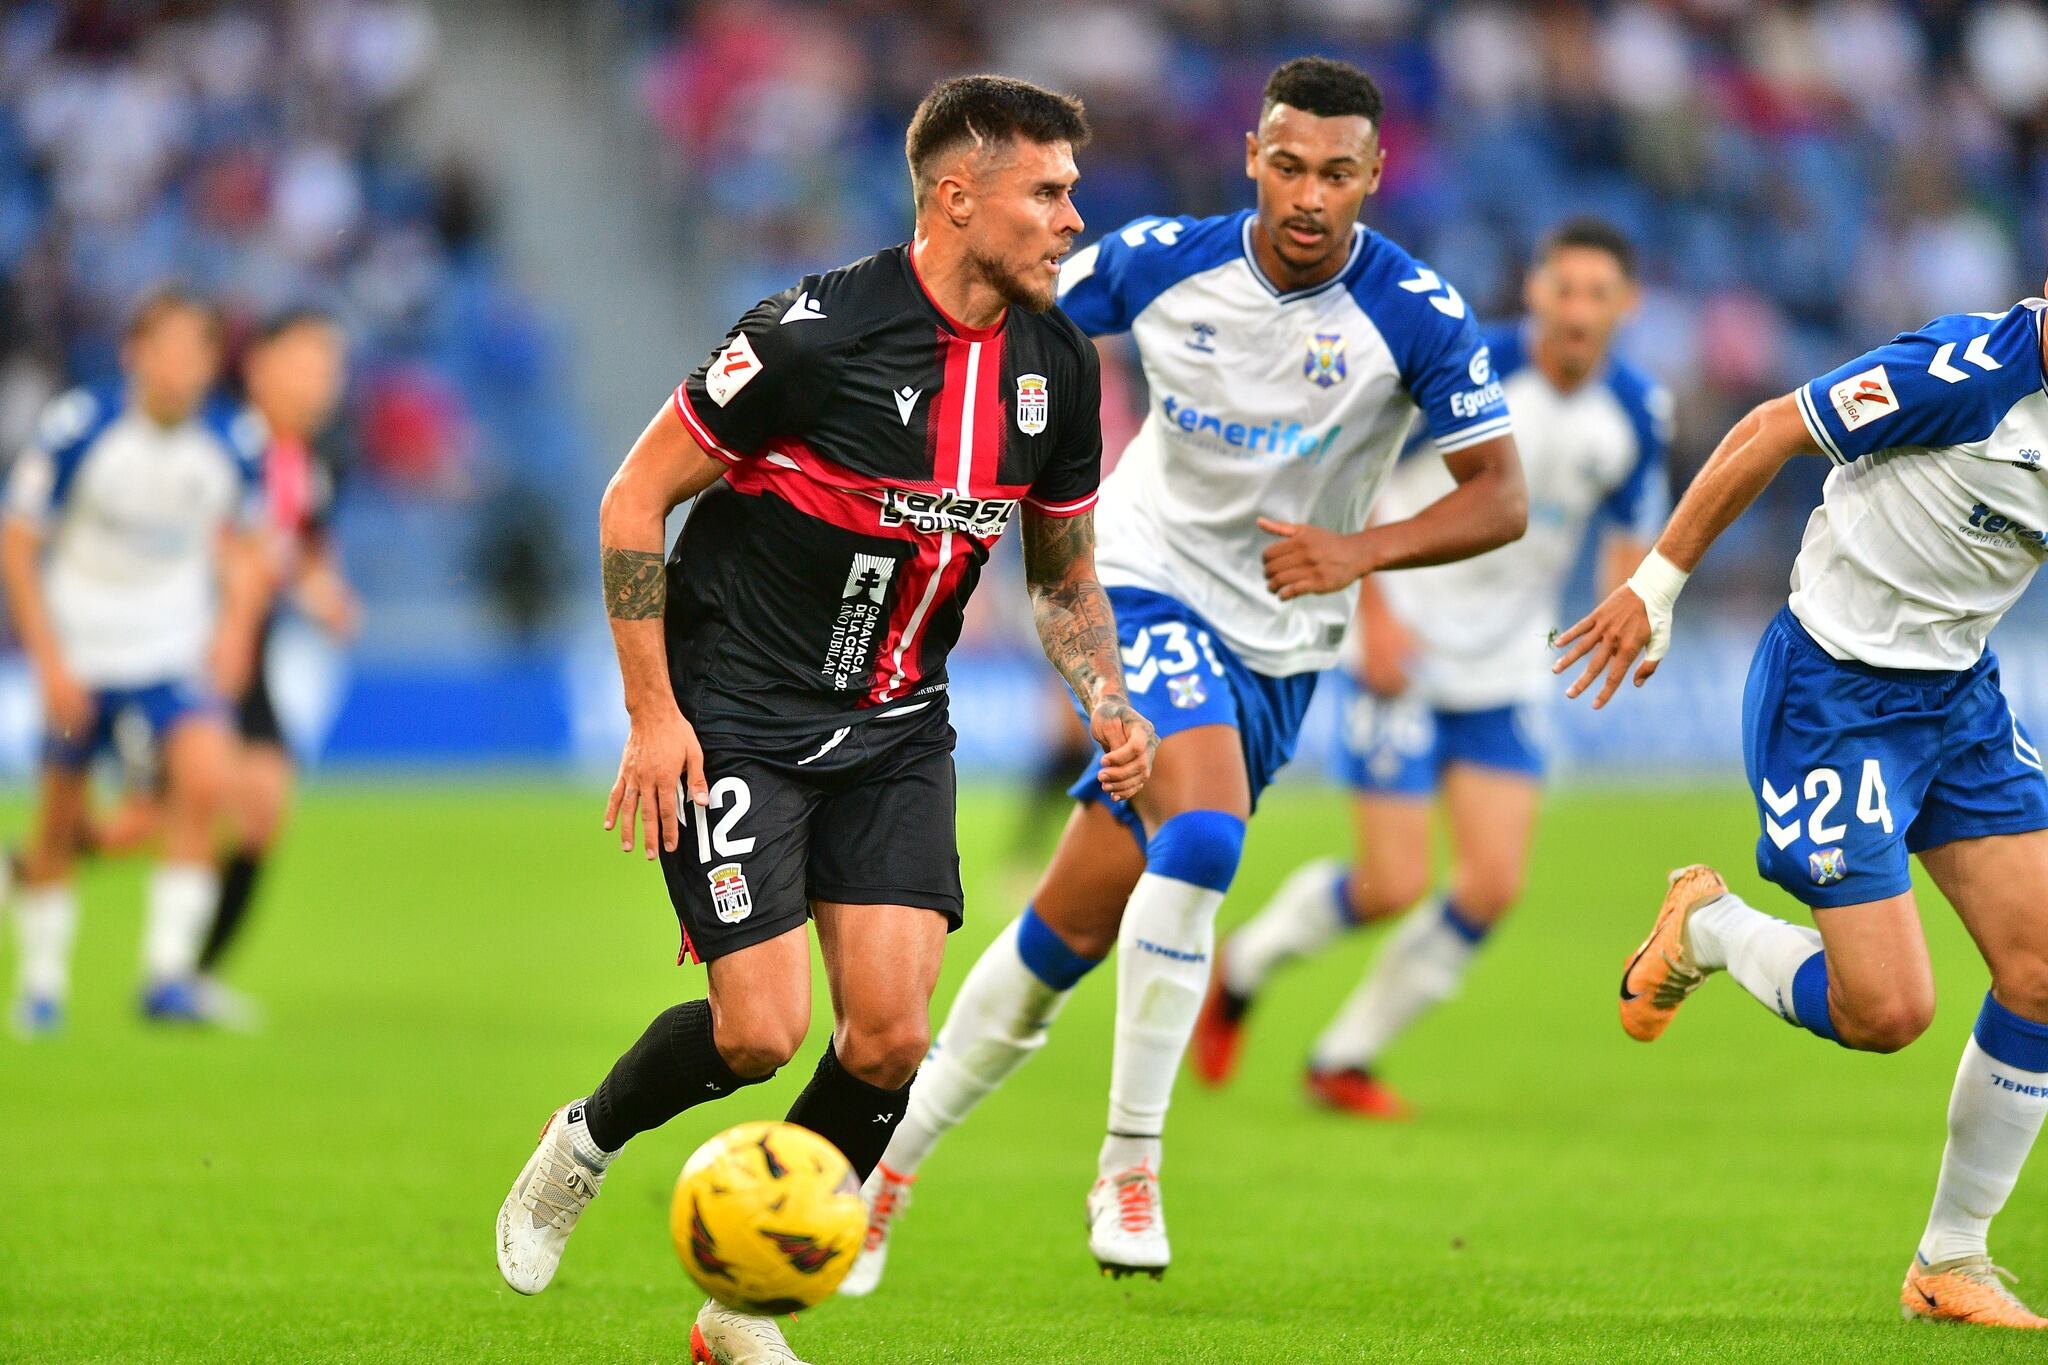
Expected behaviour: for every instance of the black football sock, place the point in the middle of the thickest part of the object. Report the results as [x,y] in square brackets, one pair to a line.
[237,887]
[675,1066]
[852,1115]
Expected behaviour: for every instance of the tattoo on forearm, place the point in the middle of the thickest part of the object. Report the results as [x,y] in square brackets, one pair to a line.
[1075,623]
[634,586]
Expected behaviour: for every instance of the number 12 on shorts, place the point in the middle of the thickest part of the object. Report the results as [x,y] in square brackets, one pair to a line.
[1823,787]
[718,839]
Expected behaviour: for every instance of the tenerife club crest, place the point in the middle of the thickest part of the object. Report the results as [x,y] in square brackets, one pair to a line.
[1031,403]
[1325,364]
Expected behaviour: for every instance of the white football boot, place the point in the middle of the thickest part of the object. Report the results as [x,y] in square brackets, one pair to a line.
[1126,1226]
[537,1217]
[726,1336]
[887,1195]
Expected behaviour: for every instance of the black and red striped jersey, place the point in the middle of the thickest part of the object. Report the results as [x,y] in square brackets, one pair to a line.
[877,450]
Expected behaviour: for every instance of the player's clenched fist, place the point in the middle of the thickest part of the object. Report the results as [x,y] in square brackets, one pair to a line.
[1610,637]
[662,756]
[1128,743]
[1308,559]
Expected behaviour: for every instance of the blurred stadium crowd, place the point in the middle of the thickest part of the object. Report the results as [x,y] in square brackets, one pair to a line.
[259,154]
[1803,178]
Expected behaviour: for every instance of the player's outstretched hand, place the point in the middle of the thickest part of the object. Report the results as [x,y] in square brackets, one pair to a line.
[1610,638]
[1307,559]
[1128,743]
[662,757]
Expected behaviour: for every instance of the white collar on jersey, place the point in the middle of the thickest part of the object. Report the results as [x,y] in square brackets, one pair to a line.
[1359,232]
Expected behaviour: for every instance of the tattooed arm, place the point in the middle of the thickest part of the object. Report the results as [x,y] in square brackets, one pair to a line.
[1079,634]
[666,467]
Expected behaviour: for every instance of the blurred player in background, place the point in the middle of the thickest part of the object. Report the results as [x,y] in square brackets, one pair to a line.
[294,376]
[1289,351]
[1456,672]
[1874,728]
[859,443]
[131,555]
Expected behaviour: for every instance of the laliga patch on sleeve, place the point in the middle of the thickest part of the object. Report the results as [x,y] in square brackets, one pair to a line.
[1864,398]
[731,369]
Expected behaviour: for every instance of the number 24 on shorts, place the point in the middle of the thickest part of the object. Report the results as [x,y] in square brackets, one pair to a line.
[1823,787]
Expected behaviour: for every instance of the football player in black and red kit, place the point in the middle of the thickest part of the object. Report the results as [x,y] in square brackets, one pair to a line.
[856,446]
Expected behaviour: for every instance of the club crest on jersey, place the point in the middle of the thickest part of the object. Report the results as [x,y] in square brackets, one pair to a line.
[1325,364]
[1864,398]
[1827,866]
[1031,403]
[730,897]
[1186,691]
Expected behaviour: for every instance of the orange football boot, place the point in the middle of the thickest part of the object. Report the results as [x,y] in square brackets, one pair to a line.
[1967,1289]
[1663,972]
[1356,1091]
[1219,1031]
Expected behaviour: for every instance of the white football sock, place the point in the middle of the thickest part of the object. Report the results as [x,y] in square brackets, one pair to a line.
[182,901]
[1994,1114]
[1762,952]
[576,1127]
[1162,972]
[45,926]
[997,1021]
[1420,965]
[1303,917]
[1120,1153]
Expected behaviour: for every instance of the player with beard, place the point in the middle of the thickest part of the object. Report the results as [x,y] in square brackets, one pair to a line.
[859,442]
[1289,351]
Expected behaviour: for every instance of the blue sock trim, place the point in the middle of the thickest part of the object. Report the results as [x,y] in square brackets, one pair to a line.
[1810,998]
[1047,955]
[2007,1037]
[1200,847]
[1462,924]
[1340,898]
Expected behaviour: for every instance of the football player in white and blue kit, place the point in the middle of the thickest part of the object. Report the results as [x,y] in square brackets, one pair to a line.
[1456,673]
[1289,351]
[130,555]
[1874,730]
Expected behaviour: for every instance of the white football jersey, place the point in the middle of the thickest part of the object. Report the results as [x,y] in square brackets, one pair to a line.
[131,513]
[1595,452]
[1932,523]
[1284,405]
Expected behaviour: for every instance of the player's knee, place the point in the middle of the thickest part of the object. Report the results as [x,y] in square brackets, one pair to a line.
[2021,985]
[884,1054]
[1383,892]
[1486,894]
[1201,847]
[1884,1025]
[758,1044]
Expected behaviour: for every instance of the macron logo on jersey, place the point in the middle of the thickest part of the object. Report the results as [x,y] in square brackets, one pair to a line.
[804,309]
[1864,398]
[1266,438]
[732,370]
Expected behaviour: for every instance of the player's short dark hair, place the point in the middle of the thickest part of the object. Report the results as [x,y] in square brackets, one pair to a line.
[988,109]
[290,320]
[1594,233]
[1325,87]
[164,300]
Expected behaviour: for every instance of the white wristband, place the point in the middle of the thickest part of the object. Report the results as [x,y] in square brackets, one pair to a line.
[1658,581]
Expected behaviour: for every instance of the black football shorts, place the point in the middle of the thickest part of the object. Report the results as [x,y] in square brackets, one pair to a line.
[862,816]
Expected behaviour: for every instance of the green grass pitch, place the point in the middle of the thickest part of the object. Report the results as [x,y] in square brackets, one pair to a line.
[444,965]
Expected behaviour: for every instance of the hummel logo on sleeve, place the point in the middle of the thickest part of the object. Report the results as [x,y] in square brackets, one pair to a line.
[803,310]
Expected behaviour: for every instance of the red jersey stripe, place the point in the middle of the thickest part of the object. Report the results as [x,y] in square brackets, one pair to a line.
[698,431]
[1062,509]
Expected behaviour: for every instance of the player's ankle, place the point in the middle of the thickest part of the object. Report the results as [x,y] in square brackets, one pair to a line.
[1121,1151]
